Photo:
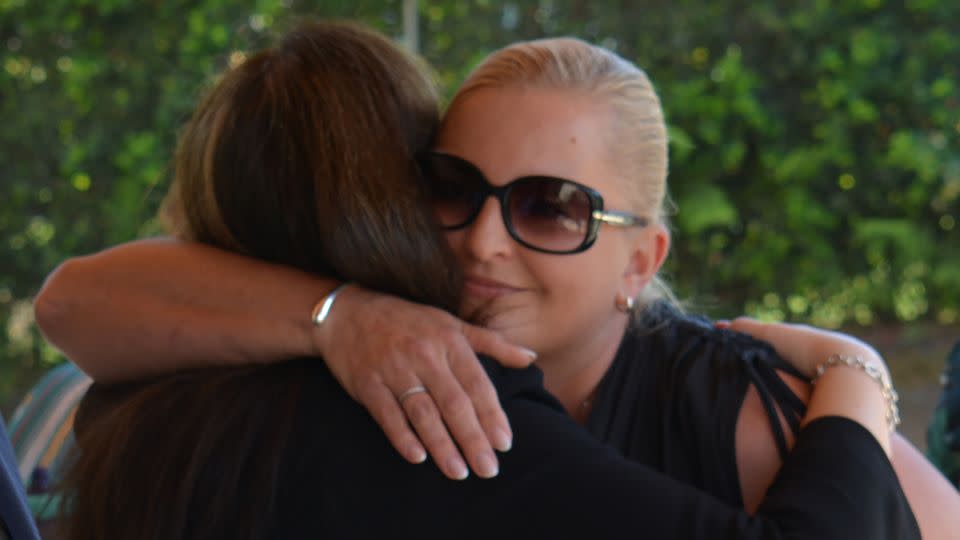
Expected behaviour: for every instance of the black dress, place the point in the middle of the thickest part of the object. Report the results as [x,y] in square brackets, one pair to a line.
[673,393]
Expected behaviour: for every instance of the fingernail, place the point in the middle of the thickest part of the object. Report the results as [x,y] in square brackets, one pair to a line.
[722,323]
[417,454]
[487,466]
[458,469]
[502,440]
[529,352]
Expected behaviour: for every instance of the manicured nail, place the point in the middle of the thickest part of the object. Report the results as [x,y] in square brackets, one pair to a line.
[487,466]
[502,440]
[722,323]
[417,454]
[529,352]
[458,469]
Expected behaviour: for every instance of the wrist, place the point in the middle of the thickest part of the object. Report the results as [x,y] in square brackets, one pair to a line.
[321,311]
[848,392]
[326,312]
[872,368]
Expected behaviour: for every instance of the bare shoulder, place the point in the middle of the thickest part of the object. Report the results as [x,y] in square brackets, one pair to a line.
[758,459]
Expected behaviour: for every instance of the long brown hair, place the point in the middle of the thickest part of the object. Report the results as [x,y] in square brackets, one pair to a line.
[304,156]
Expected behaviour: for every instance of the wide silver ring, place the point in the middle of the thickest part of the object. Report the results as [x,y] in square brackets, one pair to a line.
[411,391]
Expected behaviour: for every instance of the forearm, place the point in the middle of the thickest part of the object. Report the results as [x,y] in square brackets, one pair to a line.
[850,393]
[934,501]
[835,483]
[847,391]
[155,306]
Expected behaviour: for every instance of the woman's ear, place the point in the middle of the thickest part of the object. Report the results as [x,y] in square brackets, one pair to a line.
[649,251]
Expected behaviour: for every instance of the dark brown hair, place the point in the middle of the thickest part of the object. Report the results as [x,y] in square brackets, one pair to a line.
[303,155]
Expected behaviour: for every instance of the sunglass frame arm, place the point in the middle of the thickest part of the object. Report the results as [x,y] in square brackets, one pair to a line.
[619,219]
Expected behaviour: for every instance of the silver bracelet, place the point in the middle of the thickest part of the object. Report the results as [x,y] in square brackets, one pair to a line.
[322,308]
[886,387]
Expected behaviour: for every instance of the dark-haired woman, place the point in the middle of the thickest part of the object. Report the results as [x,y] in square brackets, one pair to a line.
[304,156]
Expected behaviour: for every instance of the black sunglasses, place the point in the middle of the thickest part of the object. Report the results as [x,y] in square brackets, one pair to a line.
[542,213]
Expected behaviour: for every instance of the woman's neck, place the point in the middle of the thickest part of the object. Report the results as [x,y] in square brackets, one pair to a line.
[573,373]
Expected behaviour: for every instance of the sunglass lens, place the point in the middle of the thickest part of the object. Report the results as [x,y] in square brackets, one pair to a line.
[455,189]
[550,214]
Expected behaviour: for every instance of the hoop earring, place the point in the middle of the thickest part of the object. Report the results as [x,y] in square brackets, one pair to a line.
[624,303]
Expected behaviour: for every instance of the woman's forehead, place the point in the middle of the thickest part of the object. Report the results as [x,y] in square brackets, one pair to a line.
[511,132]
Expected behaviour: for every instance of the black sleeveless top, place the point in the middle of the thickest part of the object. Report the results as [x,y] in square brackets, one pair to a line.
[672,396]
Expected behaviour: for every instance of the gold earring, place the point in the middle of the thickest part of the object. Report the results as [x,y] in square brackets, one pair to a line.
[624,303]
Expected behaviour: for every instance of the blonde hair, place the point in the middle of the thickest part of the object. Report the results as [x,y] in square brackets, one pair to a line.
[638,141]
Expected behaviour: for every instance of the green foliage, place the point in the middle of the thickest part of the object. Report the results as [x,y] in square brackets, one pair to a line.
[814,144]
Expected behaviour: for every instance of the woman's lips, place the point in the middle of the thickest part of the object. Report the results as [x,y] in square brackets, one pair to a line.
[479,287]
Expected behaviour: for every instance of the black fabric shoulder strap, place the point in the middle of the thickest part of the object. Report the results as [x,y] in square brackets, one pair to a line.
[672,397]
[762,363]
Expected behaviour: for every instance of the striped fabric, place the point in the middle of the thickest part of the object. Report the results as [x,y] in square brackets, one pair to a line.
[41,429]
[15,520]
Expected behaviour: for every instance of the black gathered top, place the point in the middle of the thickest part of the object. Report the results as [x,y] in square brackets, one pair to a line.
[672,396]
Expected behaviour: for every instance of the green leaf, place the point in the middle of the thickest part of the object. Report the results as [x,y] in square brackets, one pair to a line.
[703,207]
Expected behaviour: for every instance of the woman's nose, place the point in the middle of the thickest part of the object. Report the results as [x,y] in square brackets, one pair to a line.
[487,236]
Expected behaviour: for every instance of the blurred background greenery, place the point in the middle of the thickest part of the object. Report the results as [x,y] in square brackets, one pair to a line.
[815,163]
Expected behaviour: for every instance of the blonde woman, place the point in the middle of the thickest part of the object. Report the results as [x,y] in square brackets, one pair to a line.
[549,175]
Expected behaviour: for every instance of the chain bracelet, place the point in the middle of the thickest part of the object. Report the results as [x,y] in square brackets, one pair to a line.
[875,373]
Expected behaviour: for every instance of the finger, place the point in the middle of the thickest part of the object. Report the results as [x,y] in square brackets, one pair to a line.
[784,337]
[485,341]
[760,330]
[426,420]
[419,408]
[745,325]
[382,405]
[806,347]
[786,340]
[486,403]
[460,417]
[789,341]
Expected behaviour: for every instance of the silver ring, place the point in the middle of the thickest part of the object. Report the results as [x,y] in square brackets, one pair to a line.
[411,391]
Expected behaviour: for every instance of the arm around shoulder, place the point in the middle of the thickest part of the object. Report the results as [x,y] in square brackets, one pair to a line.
[155,306]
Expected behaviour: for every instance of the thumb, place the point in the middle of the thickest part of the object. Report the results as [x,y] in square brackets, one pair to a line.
[490,343]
